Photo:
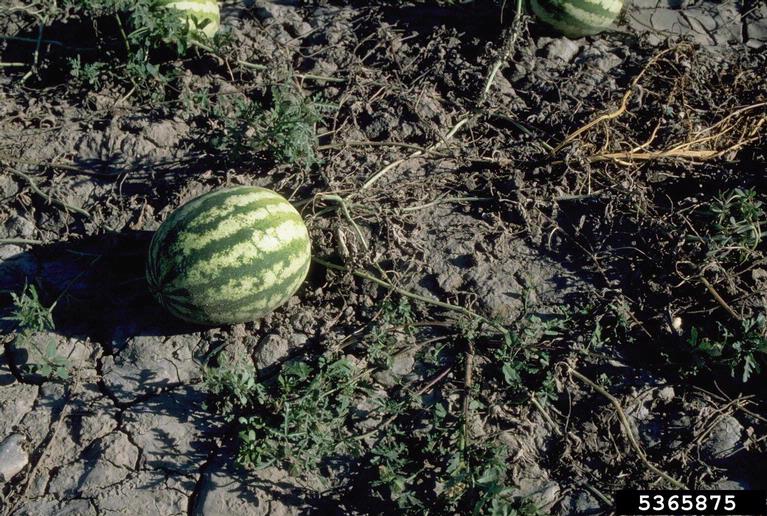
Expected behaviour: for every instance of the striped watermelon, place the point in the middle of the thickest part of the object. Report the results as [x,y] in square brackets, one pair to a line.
[577,18]
[200,15]
[229,256]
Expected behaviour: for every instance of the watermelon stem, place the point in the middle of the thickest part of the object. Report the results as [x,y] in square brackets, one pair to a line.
[627,427]
[48,197]
[412,295]
[20,241]
[394,164]
[341,202]
[260,67]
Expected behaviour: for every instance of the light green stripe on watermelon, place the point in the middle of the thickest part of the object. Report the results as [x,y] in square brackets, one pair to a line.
[278,296]
[195,6]
[248,307]
[229,256]
[185,223]
[242,232]
[229,206]
[274,241]
[590,18]
[201,15]
[581,9]
[190,241]
[189,211]
[576,18]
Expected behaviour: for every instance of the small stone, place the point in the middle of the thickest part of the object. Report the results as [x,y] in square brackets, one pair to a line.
[385,378]
[535,485]
[666,394]
[757,33]
[564,49]
[585,503]
[449,280]
[8,187]
[13,458]
[402,364]
[728,484]
[165,133]
[541,494]
[298,339]
[273,348]
[9,251]
[19,227]
[367,412]
[547,495]
[723,439]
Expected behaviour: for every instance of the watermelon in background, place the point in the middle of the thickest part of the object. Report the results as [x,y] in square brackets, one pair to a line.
[577,18]
[229,256]
[201,16]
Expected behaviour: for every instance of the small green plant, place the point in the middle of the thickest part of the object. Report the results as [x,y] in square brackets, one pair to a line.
[525,362]
[29,312]
[134,38]
[33,318]
[297,421]
[92,75]
[739,351]
[380,342]
[284,128]
[396,470]
[233,385]
[471,473]
[737,219]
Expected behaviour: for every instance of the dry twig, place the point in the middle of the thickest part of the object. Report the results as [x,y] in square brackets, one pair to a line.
[627,428]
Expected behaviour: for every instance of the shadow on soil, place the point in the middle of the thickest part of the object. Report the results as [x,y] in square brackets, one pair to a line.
[98,286]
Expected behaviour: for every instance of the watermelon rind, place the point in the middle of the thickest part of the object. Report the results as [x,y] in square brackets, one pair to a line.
[577,18]
[200,16]
[229,256]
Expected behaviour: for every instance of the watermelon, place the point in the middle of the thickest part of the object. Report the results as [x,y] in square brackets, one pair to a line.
[201,16]
[229,256]
[577,18]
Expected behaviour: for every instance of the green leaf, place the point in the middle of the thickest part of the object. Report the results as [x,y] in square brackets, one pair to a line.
[62,372]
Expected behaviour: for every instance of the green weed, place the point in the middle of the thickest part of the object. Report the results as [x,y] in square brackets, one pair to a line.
[380,342]
[297,421]
[33,317]
[739,351]
[136,41]
[242,128]
[422,450]
[469,478]
[29,312]
[736,219]
[524,360]
[234,386]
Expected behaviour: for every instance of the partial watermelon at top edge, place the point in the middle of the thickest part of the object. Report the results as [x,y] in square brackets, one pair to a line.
[201,16]
[577,18]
